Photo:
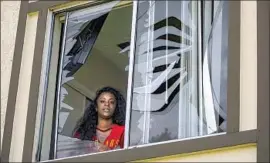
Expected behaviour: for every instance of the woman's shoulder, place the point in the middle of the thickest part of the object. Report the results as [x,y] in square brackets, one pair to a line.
[116,126]
[119,133]
[118,129]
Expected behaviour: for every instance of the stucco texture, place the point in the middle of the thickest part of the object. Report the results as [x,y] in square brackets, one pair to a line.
[9,22]
[242,153]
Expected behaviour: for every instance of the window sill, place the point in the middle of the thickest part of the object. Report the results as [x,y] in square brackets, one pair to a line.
[167,149]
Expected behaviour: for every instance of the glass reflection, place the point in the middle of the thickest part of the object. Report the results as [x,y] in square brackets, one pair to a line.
[171,99]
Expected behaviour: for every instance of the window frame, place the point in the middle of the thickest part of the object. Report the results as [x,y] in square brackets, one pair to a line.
[231,138]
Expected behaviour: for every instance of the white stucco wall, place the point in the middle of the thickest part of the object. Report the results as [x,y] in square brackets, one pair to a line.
[9,21]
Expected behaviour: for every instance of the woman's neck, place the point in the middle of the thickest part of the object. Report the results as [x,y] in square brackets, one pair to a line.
[104,124]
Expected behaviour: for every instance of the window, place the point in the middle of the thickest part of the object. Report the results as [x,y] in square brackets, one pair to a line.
[179,90]
[173,65]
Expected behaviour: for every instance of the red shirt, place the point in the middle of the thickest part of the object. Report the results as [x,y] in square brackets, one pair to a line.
[116,137]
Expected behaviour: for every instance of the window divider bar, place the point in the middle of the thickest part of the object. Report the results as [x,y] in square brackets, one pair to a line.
[130,74]
[199,62]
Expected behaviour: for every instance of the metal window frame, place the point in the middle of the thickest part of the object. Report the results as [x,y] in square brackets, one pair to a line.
[59,85]
[233,137]
[130,73]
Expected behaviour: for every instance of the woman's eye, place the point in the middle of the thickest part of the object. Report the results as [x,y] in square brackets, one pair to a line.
[112,102]
[101,101]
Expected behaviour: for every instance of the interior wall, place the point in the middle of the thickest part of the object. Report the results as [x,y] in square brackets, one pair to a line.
[98,72]
[76,101]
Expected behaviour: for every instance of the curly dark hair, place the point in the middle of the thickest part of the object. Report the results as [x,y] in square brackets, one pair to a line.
[86,126]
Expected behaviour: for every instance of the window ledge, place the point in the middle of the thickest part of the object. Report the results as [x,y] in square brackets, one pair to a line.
[167,149]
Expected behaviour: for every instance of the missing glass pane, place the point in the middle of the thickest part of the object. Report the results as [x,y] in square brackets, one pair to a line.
[89,59]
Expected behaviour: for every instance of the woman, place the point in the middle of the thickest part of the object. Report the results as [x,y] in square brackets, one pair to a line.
[103,121]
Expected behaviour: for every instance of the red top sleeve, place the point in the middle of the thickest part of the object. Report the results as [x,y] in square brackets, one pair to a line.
[116,137]
[77,135]
[121,143]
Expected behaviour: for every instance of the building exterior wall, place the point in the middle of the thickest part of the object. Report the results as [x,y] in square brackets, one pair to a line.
[248,66]
[244,153]
[248,86]
[23,89]
[9,22]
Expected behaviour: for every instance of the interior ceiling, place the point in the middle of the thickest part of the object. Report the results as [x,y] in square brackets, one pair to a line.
[116,30]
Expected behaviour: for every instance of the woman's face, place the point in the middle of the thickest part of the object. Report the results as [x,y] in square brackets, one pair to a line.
[106,104]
